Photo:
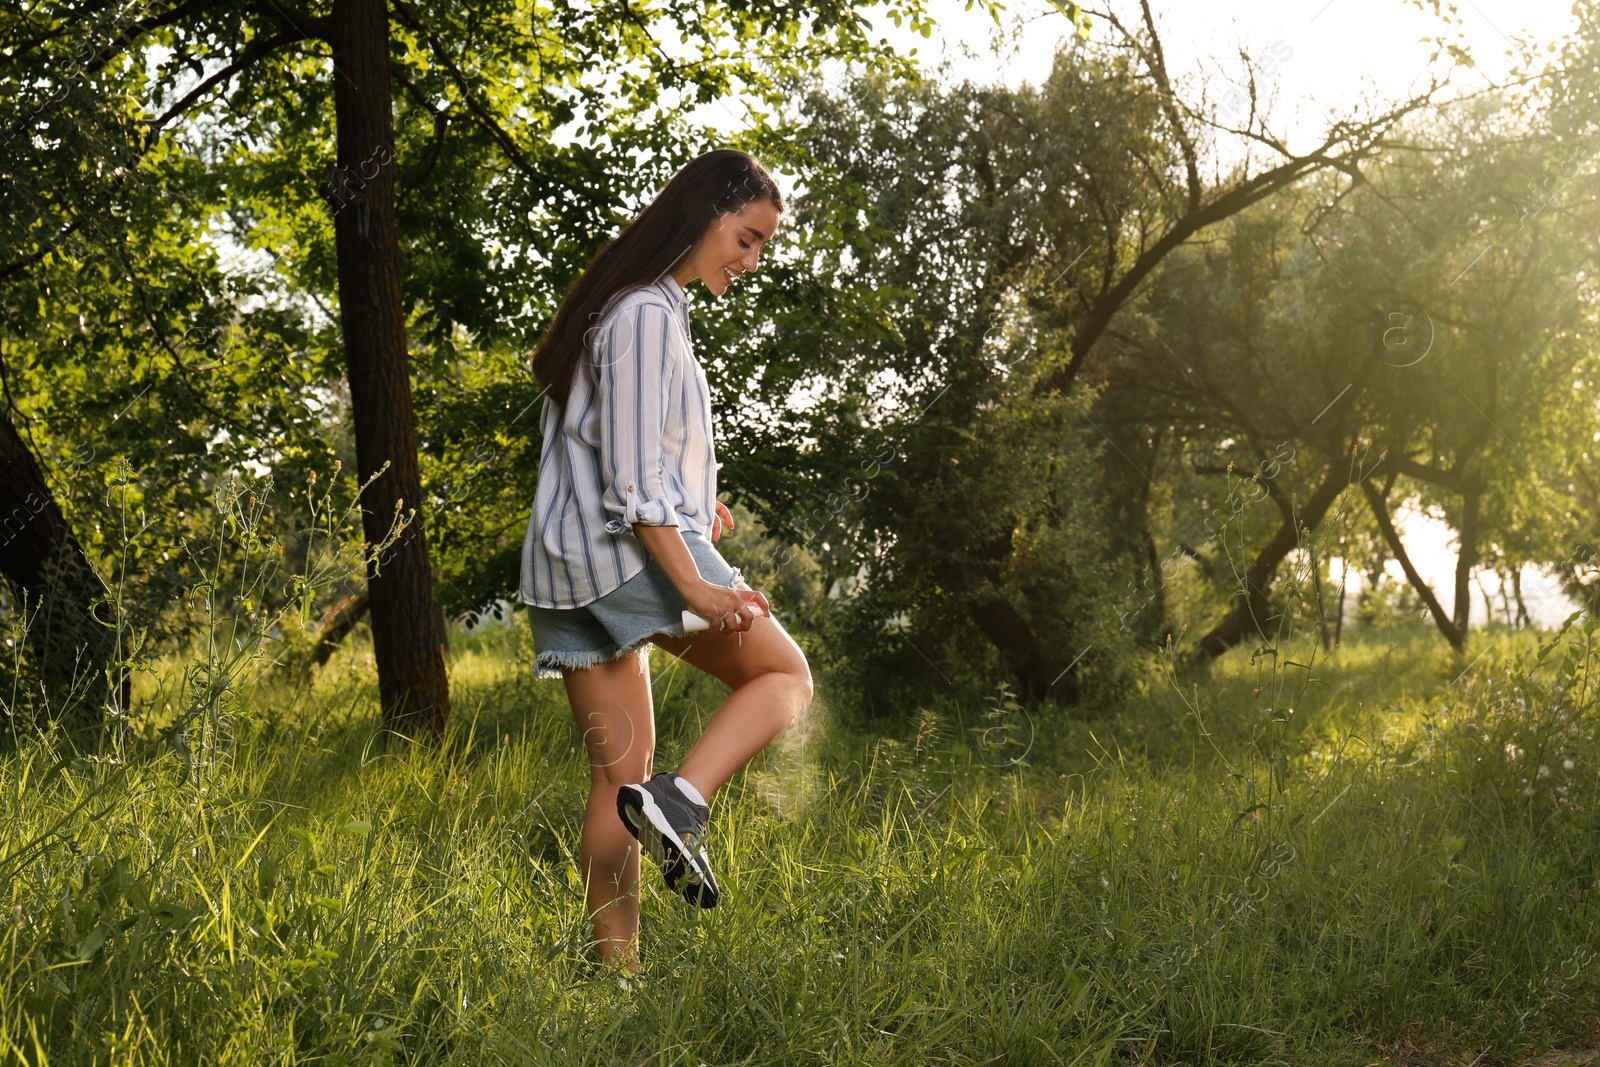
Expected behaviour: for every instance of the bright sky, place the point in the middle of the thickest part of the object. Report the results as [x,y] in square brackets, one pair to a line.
[1323,53]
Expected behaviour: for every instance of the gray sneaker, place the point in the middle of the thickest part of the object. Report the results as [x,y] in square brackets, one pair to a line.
[672,829]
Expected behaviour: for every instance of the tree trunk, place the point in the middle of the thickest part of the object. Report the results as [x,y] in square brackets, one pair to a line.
[1380,511]
[1009,631]
[412,685]
[1005,626]
[1344,580]
[1523,618]
[1253,609]
[1152,565]
[58,588]
[443,626]
[1488,601]
[337,624]
[1466,560]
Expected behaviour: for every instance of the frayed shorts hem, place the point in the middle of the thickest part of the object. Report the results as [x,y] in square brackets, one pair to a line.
[623,620]
[550,664]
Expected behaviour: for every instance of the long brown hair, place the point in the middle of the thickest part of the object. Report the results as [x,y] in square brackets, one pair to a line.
[646,250]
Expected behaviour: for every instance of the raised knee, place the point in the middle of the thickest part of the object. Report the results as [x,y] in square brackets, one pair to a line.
[806,690]
[800,681]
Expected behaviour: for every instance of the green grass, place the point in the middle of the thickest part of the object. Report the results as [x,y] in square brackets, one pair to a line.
[1195,877]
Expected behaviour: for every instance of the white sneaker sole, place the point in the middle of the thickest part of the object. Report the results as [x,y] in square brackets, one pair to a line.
[657,834]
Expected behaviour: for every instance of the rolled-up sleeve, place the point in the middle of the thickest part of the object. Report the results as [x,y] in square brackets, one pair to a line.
[637,367]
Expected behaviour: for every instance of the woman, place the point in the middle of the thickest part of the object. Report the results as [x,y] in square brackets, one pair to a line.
[619,544]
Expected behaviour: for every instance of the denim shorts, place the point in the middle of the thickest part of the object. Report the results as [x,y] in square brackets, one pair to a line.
[625,618]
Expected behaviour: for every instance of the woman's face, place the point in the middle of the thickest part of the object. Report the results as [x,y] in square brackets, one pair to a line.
[730,246]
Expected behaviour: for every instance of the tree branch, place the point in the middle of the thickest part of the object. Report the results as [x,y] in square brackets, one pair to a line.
[135,30]
[69,21]
[485,117]
[1360,139]
[1169,103]
[1449,479]
[1380,512]
[250,56]
[292,18]
[253,52]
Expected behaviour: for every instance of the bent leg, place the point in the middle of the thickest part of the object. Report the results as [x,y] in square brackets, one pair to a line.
[771,684]
[612,707]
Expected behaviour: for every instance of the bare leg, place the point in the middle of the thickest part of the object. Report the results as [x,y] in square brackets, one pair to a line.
[612,707]
[771,685]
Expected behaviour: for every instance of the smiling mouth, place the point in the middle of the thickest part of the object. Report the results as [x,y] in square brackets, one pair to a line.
[728,274]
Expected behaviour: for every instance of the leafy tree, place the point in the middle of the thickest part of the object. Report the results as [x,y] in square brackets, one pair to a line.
[972,246]
[512,151]
[1415,332]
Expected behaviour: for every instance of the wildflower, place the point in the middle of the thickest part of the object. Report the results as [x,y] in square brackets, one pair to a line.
[1567,764]
[1512,750]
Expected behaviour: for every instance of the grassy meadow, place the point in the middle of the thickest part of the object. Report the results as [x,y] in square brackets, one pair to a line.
[1386,855]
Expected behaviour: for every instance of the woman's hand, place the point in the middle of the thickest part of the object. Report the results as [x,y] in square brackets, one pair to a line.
[728,610]
[723,515]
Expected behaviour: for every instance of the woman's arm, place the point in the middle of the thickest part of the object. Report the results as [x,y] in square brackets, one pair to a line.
[637,365]
[639,358]
[706,599]
[665,543]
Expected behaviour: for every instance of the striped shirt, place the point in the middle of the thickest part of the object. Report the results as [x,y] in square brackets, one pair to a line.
[631,445]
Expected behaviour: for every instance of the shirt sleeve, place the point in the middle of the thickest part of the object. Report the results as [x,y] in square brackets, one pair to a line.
[637,363]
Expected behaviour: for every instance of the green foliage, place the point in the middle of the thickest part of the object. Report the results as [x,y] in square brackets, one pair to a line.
[1354,327]
[245,590]
[957,515]
[1078,17]
[1389,603]
[168,292]
[1527,743]
[932,615]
